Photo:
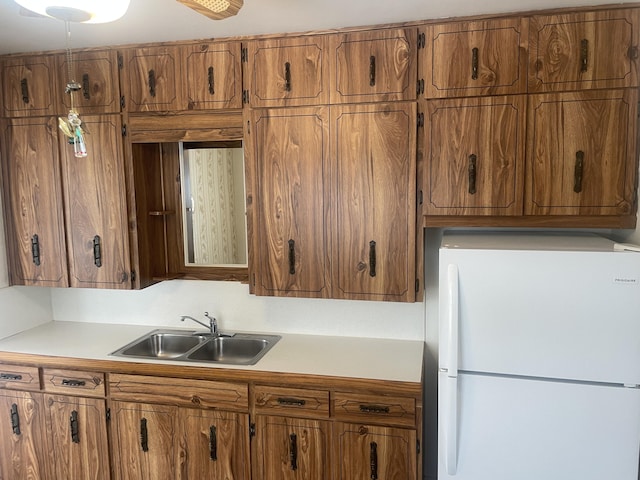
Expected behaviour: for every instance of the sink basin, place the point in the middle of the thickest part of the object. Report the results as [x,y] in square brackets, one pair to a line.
[192,346]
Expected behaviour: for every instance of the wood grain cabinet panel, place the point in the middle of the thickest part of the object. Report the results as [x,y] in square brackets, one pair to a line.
[475,58]
[33,202]
[213,75]
[97,75]
[73,382]
[582,153]
[290,159]
[291,401]
[96,209]
[29,86]
[584,50]
[373,66]
[474,163]
[290,71]
[19,377]
[373,152]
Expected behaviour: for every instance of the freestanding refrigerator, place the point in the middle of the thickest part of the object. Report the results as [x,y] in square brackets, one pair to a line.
[539,358]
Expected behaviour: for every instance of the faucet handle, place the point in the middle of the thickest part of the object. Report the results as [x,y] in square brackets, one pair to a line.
[213,323]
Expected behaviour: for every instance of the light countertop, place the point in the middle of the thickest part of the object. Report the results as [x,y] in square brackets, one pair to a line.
[354,357]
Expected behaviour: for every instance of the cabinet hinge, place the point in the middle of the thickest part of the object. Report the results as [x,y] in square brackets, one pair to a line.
[244,55]
[420,120]
[417,285]
[108,414]
[252,430]
[122,103]
[124,130]
[120,61]
[245,97]
[420,197]
[420,87]
[133,276]
[418,447]
[421,40]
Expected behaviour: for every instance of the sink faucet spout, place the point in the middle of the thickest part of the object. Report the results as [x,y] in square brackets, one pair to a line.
[213,324]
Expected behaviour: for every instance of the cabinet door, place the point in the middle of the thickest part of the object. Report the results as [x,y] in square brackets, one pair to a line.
[78,428]
[213,76]
[23,439]
[33,202]
[373,66]
[373,150]
[287,72]
[29,86]
[97,75]
[96,209]
[212,445]
[152,79]
[475,156]
[584,50]
[363,452]
[291,448]
[490,58]
[290,245]
[144,441]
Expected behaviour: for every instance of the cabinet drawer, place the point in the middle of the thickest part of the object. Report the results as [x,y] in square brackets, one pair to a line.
[179,391]
[291,401]
[73,382]
[19,377]
[374,409]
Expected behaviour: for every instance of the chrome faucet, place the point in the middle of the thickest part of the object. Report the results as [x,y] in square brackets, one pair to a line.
[213,323]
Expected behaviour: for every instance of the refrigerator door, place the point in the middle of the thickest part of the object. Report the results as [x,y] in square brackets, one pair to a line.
[514,428]
[551,314]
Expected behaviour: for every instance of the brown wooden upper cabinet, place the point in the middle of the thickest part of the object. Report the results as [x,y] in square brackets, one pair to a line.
[290,71]
[474,156]
[581,157]
[96,72]
[373,66]
[474,58]
[587,50]
[29,86]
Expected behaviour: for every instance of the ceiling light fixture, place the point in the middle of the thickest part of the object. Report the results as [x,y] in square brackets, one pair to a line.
[80,11]
[215,9]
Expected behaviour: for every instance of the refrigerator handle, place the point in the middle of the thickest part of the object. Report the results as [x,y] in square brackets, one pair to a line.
[452,341]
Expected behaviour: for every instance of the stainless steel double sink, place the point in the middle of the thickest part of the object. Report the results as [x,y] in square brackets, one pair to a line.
[197,346]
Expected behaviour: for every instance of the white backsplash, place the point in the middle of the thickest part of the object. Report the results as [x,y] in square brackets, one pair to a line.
[237,310]
[22,308]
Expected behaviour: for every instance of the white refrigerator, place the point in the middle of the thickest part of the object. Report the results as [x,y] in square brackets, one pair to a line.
[539,358]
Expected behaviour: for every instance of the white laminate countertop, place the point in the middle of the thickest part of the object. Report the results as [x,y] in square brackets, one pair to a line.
[354,357]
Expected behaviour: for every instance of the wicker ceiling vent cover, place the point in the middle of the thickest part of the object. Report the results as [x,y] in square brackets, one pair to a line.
[216,9]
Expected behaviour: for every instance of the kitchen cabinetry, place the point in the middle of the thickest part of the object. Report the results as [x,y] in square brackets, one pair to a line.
[582,153]
[373,66]
[289,71]
[584,50]
[97,74]
[29,85]
[490,58]
[33,203]
[165,438]
[474,163]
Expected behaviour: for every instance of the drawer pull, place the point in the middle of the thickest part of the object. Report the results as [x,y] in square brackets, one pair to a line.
[152,82]
[213,443]
[73,383]
[374,409]
[292,257]
[473,173]
[298,402]
[35,250]
[86,90]
[15,419]
[584,55]
[287,77]
[211,80]
[372,258]
[578,172]
[144,435]
[474,64]
[24,87]
[293,451]
[73,421]
[10,376]
[97,251]
[373,458]
[372,71]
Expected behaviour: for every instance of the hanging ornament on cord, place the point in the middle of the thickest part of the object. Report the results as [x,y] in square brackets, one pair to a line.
[72,125]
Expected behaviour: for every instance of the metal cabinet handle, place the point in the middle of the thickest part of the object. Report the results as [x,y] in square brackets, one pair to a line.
[373,458]
[73,421]
[144,435]
[15,419]
[152,82]
[97,251]
[293,451]
[372,258]
[86,90]
[211,80]
[374,409]
[474,63]
[35,250]
[298,402]
[473,173]
[292,257]
[213,443]
[10,376]
[287,77]
[372,70]
[24,88]
[578,172]
[73,383]
[584,55]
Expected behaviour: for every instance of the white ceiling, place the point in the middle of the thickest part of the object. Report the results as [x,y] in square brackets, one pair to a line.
[164,20]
